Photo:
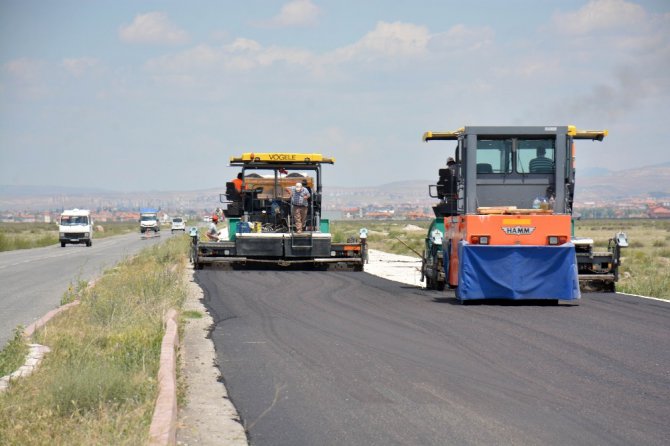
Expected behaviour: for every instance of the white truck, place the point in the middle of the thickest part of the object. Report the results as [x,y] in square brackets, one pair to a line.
[75,226]
[149,220]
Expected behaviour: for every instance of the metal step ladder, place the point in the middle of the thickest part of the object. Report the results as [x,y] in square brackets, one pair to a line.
[305,239]
[302,240]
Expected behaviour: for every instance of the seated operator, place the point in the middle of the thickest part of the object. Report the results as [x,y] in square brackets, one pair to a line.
[238,182]
[541,164]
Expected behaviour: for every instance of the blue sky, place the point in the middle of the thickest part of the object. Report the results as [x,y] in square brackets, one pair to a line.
[157,95]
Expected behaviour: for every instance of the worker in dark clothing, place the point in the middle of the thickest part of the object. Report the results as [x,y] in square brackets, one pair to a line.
[541,164]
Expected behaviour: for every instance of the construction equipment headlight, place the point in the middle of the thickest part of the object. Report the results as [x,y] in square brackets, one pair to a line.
[480,239]
[556,239]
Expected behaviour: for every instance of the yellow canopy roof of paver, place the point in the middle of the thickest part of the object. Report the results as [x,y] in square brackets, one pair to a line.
[281,157]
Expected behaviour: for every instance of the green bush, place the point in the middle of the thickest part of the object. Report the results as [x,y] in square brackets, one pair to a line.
[14,354]
[91,386]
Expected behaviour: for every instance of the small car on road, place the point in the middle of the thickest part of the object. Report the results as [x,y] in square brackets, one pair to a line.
[178,224]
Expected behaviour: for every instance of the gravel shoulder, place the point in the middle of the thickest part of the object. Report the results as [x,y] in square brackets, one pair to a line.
[207,417]
[399,268]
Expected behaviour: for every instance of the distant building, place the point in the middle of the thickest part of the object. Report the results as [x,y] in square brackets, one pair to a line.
[380,214]
[418,214]
[658,212]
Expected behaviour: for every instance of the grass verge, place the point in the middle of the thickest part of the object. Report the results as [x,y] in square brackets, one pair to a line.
[27,235]
[396,236]
[15,236]
[98,384]
[14,354]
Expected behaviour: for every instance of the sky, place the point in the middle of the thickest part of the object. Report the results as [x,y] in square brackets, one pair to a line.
[158,95]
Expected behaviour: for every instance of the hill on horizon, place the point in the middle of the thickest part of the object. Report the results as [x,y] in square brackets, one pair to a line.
[592,185]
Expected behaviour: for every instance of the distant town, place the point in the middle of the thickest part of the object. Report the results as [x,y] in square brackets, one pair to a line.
[341,206]
[634,193]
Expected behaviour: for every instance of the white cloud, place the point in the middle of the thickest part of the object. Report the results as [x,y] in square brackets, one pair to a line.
[599,15]
[462,38]
[387,40]
[176,80]
[153,28]
[239,56]
[24,69]
[294,13]
[198,58]
[242,45]
[27,78]
[387,45]
[78,66]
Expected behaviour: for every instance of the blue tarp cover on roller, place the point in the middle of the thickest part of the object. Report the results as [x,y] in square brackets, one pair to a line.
[517,272]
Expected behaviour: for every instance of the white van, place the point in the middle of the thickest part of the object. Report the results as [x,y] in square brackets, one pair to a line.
[178,224]
[75,226]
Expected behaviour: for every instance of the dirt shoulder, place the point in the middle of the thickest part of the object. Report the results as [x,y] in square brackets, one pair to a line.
[208,417]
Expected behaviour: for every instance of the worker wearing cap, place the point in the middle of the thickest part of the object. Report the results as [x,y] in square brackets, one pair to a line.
[451,164]
[212,232]
[299,202]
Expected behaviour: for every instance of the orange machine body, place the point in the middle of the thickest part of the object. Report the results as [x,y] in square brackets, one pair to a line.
[497,230]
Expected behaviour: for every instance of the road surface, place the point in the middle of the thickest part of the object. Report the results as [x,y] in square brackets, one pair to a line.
[34,280]
[349,358]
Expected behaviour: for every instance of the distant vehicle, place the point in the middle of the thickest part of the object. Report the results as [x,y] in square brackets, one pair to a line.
[178,224]
[149,220]
[75,226]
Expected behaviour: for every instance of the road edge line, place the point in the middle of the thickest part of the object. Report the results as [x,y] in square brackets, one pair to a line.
[644,297]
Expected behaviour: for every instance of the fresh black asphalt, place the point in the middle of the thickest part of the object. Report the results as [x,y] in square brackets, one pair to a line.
[342,358]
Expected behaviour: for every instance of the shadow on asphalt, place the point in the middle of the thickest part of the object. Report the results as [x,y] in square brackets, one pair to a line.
[505,302]
[275,267]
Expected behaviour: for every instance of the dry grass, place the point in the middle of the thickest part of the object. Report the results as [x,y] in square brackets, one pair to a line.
[389,236]
[35,235]
[27,235]
[98,384]
[645,264]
